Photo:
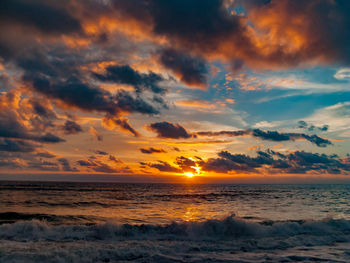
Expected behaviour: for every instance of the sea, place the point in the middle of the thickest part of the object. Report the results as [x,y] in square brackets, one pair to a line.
[122,222]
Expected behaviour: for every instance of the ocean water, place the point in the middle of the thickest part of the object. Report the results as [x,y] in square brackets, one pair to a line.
[99,222]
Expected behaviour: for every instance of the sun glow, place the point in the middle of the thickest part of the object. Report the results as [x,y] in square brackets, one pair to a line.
[189,174]
[196,170]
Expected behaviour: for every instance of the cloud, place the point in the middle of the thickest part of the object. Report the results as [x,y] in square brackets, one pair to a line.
[169,130]
[200,105]
[90,98]
[43,16]
[95,133]
[115,159]
[102,167]
[272,34]
[191,70]
[66,165]
[123,124]
[101,152]
[343,74]
[337,116]
[295,162]
[164,167]
[42,165]
[186,164]
[48,138]
[18,121]
[45,154]
[9,145]
[124,74]
[310,127]
[43,111]
[270,135]
[71,127]
[151,150]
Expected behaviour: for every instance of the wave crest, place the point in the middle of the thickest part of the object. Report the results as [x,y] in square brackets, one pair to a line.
[230,228]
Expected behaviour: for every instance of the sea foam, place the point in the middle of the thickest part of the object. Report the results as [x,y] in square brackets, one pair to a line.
[229,228]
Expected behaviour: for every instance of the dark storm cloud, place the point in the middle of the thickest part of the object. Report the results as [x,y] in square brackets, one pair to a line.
[124,74]
[296,162]
[191,70]
[151,150]
[45,16]
[271,135]
[9,145]
[71,127]
[169,130]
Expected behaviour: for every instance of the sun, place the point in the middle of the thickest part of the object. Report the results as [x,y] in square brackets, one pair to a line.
[189,174]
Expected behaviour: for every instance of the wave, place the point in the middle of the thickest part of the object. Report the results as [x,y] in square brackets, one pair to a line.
[13,217]
[231,228]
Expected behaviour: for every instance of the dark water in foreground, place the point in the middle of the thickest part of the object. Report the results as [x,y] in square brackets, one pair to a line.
[90,222]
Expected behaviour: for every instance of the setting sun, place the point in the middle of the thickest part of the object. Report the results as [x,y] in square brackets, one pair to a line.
[189,174]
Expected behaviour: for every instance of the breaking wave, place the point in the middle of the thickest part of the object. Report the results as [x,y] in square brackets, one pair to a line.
[230,228]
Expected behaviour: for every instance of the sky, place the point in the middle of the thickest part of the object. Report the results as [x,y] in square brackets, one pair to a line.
[175,91]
